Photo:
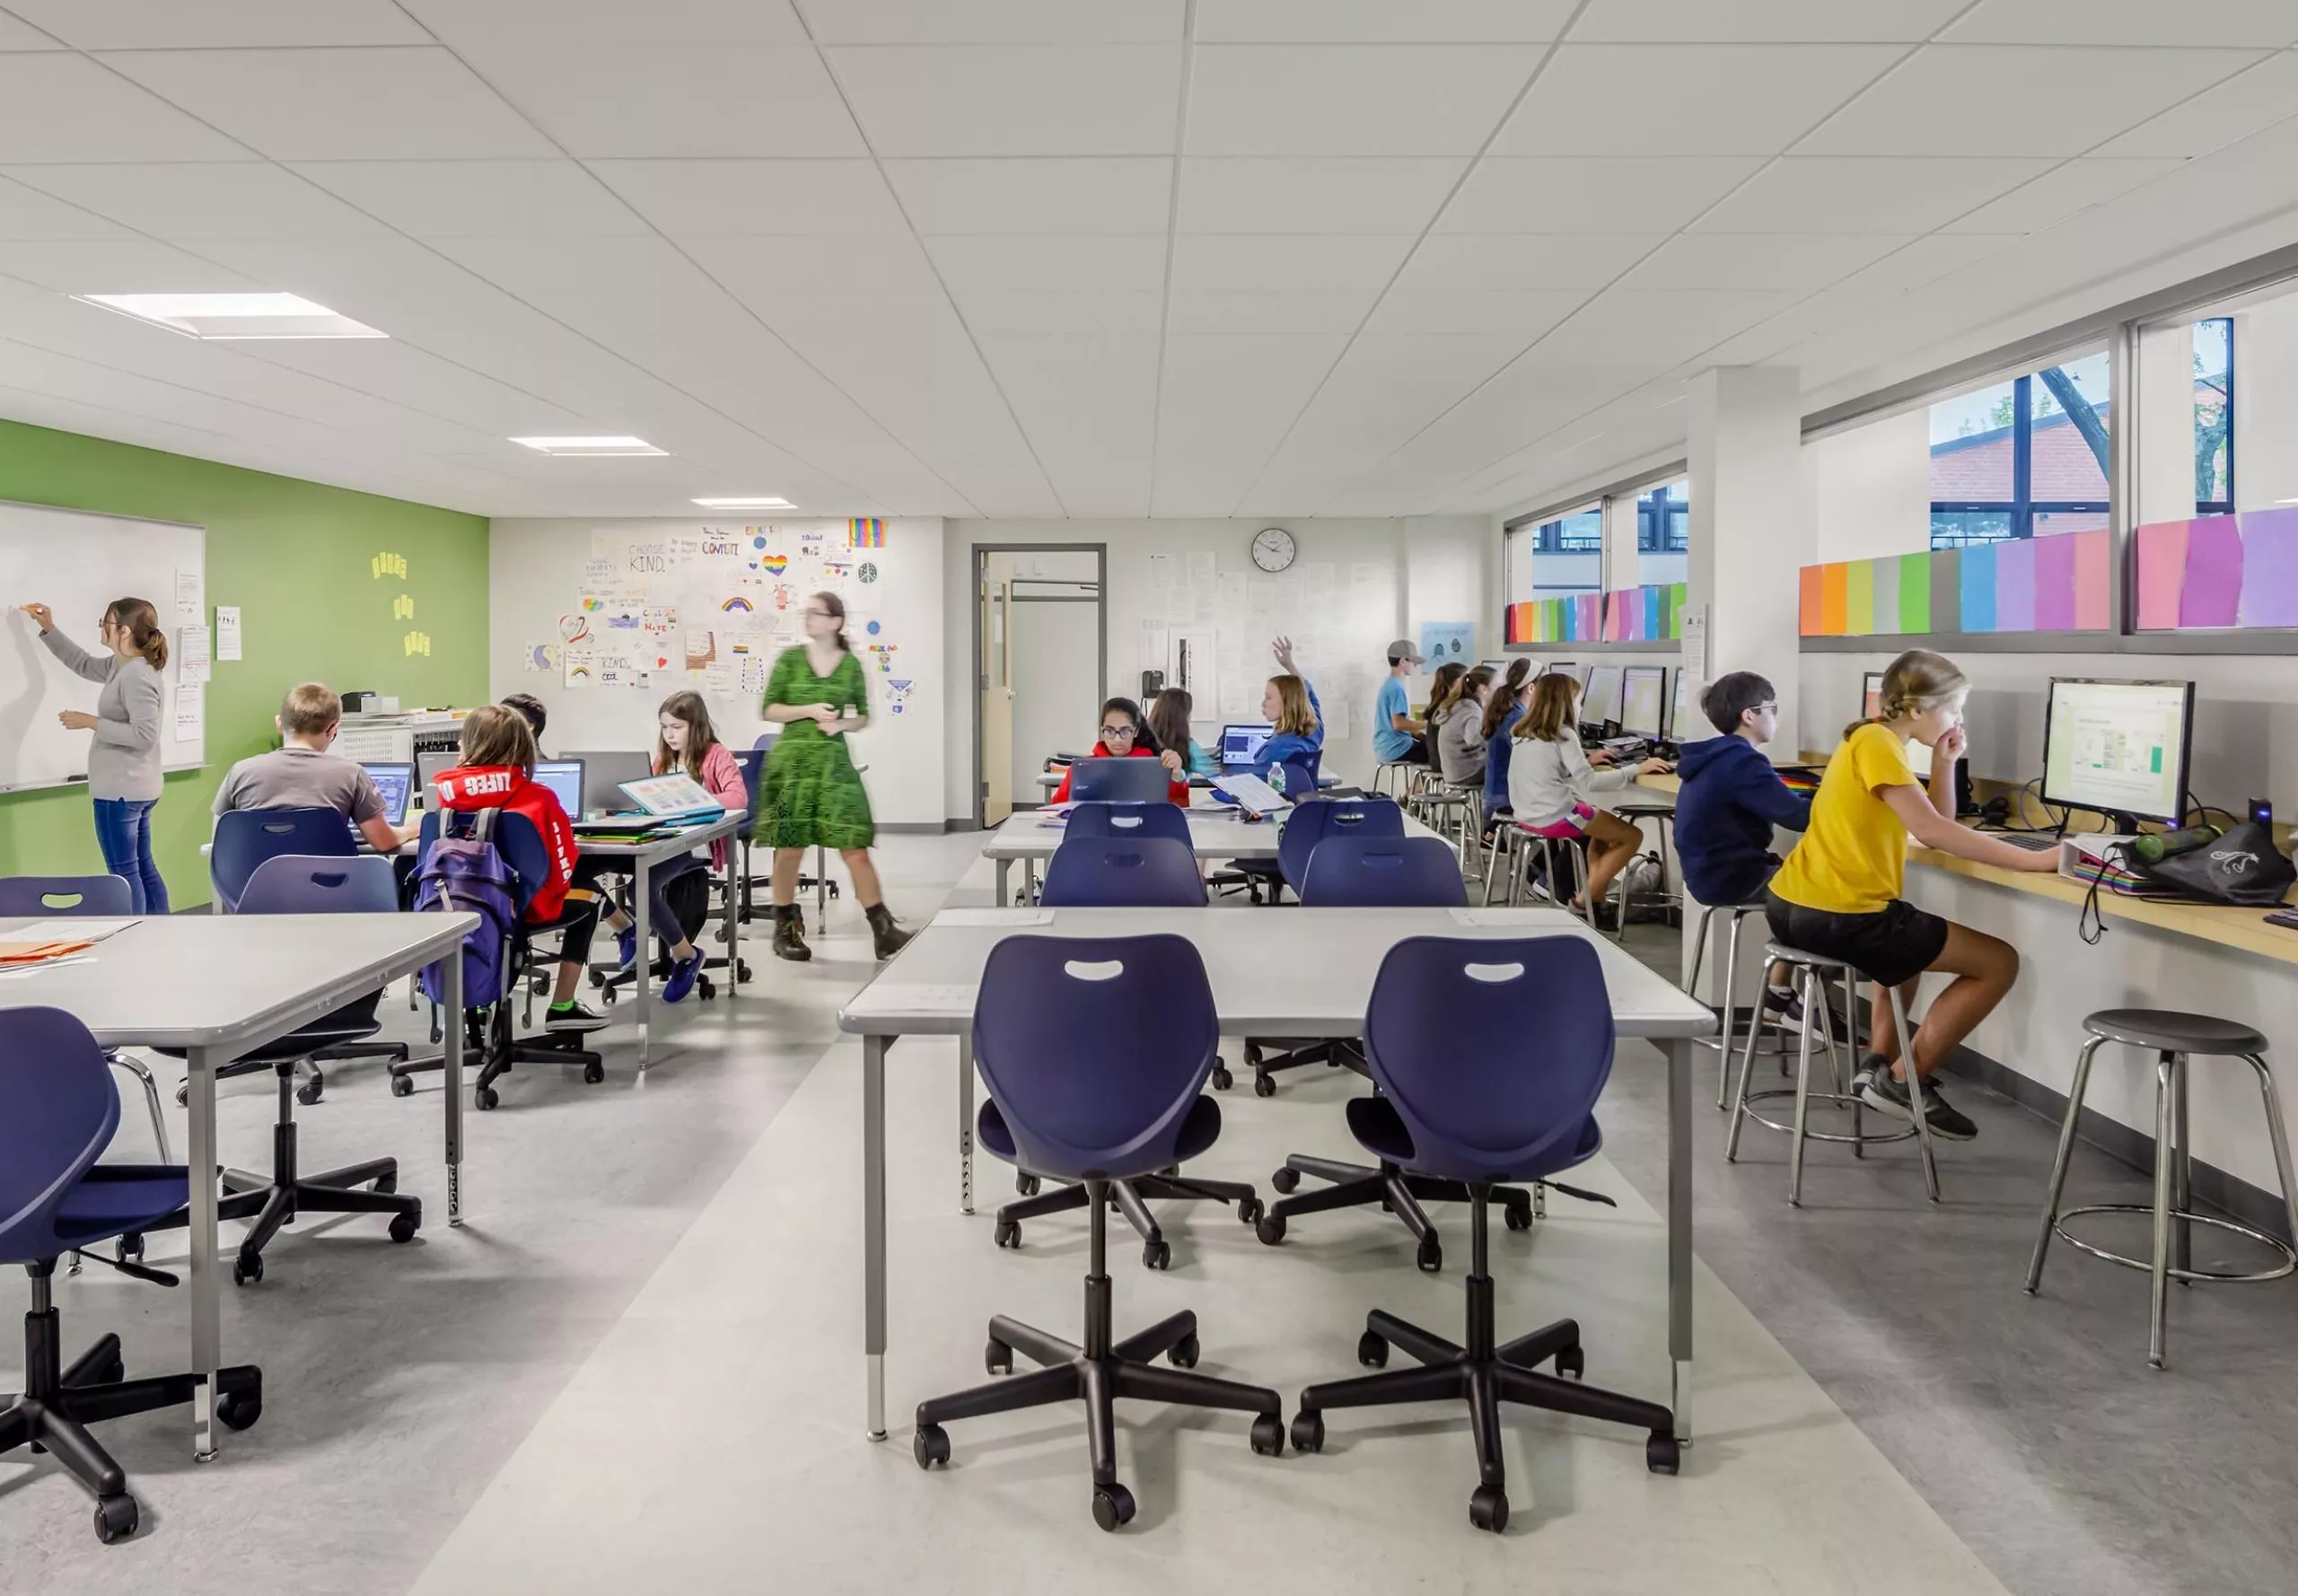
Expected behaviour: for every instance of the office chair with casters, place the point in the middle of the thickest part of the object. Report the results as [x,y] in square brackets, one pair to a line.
[1130,823]
[1305,826]
[1154,873]
[1075,1098]
[108,897]
[689,894]
[246,838]
[1262,880]
[1471,1093]
[488,1034]
[57,1113]
[1382,872]
[293,886]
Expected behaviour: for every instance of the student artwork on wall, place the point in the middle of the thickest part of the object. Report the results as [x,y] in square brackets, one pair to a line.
[1624,615]
[2055,583]
[2217,572]
[1447,642]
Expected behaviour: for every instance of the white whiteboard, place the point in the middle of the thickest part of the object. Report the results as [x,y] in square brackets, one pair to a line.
[77,563]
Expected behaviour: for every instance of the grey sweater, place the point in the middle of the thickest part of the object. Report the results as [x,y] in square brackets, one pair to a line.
[125,760]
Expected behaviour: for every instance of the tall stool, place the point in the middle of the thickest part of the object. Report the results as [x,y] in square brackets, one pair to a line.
[1515,839]
[1394,777]
[2174,1036]
[1810,973]
[1722,1040]
[1507,840]
[1634,809]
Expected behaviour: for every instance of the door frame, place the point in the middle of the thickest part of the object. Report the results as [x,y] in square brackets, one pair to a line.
[977,664]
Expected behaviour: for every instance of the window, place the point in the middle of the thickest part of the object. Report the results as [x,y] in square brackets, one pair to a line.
[2024,458]
[1554,559]
[2214,416]
[1663,533]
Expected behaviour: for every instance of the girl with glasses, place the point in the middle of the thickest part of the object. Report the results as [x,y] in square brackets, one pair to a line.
[1124,737]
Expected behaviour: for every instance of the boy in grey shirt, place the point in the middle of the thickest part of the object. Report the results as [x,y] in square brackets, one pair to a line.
[303,774]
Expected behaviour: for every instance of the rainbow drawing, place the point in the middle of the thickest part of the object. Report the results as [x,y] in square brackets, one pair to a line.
[866,534]
[774,565]
[736,603]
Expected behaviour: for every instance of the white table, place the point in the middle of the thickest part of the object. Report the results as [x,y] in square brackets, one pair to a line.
[641,857]
[1216,831]
[1051,779]
[1305,972]
[218,987]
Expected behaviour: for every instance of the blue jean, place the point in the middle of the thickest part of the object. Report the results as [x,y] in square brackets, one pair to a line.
[124,832]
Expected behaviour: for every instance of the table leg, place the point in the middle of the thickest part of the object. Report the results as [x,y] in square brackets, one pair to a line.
[1678,1050]
[873,1225]
[643,966]
[452,1031]
[733,946]
[207,1333]
[1028,881]
[965,1125]
[821,886]
[1005,891]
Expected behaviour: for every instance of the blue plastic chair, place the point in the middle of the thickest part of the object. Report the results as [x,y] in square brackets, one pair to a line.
[1073,1095]
[1311,823]
[1383,873]
[1104,872]
[1470,1092]
[1129,820]
[1119,781]
[57,1113]
[246,838]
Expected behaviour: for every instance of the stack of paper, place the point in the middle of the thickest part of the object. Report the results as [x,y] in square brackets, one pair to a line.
[39,953]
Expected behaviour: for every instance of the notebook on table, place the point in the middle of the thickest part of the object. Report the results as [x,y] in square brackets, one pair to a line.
[672,800]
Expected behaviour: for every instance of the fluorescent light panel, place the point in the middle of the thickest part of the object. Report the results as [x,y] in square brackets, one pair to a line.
[223,317]
[591,448]
[757,502]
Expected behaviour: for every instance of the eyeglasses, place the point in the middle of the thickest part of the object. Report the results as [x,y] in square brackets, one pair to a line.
[818,614]
[1118,733]
[1769,708]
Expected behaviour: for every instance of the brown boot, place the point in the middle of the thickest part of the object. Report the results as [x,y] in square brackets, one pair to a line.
[790,933]
[888,937]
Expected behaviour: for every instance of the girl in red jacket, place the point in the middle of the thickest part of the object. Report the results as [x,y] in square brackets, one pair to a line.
[1121,739]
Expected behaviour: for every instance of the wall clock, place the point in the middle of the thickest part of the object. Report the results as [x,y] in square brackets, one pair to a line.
[1273,548]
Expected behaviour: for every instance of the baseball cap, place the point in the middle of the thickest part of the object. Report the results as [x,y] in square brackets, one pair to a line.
[1402,649]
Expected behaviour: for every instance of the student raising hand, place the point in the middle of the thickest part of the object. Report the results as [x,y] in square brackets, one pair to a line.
[1283,648]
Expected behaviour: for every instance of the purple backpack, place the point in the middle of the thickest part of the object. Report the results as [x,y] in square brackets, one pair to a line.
[466,872]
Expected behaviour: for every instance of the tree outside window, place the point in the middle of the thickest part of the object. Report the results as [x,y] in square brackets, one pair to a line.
[2024,458]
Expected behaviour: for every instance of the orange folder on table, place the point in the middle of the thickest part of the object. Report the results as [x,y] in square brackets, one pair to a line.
[39,952]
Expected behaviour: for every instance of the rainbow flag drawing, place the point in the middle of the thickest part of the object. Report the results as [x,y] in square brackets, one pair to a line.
[736,603]
[866,534]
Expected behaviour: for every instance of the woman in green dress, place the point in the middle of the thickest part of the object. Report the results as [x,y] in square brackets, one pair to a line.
[812,796]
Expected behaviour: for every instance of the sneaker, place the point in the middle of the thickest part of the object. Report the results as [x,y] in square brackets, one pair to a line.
[573,1015]
[1945,1120]
[625,942]
[682,978]
[1780,1002]
[1879,1091]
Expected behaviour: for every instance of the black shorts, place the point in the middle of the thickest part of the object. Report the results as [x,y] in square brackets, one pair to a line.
[1893,945]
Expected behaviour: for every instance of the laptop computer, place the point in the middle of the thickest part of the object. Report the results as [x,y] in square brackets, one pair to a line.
[564,778]
[604,770]
[395,781]
[1241,742]
[662,800]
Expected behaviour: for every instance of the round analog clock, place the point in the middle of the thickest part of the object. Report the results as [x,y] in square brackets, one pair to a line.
[1273,548]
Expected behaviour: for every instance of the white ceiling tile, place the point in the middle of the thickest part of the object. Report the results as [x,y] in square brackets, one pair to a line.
[1528,313]
[2061,192]
[124,266]
[28,213]
[1926,261]
[1046,195]
[999,312]
[1017,99]
[16,35]
[1290,312]
[633,99]
[1803,261]
[1086,405]
[995,21]
[2267,23]
[2259,98]
[1049,265]
[337,104]
[1376,194]
[1284,262]
[1726,22]
[758,199]
[1845,195]
[392,369]
[1687,98]
[610,21]
[2038,101]
[800,317]
[1351,100]
[1631,194]
[451,198]
[1226,403]
[168,24]
[184,201]
[336,271]
[1658,328]
[809,267]
[528,265]
[1524,261]
[68,107]
[1387,387]
[1381,22]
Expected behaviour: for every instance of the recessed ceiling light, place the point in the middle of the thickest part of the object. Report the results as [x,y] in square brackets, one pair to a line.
[601,446]
[757,502]
[229,316]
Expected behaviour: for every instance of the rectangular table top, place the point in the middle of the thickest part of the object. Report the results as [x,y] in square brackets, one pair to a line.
[1216,831]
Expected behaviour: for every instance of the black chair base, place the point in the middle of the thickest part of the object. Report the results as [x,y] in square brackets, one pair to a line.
[1333,1053]
[609,983]
[1357,1185]
[58,1404]
[1483,1374]
[491,1048]
[1128,1197]
[1096,1373]
[314,1080]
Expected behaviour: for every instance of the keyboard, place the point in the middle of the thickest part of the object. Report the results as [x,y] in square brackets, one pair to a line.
[2033,842]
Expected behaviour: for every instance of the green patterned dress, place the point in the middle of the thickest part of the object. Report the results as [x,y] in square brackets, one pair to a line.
[812,795]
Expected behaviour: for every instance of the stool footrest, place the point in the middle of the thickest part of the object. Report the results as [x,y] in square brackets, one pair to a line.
[1871,1138]
[2222,1276]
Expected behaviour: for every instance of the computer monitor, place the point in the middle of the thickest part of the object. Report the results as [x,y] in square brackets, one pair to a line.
[2120,748]
[427,767]
[1871,707]
[396,782]
[1687,721]
[1643,697]
[1563,667]
[1600,703]
[1241,742]
[1119,781]
[604,770]
[564,778]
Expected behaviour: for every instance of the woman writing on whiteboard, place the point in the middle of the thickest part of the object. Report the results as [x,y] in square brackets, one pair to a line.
[124,763]
[811,796]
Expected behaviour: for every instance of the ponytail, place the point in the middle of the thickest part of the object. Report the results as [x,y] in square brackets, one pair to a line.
[1503,696]
[141,621]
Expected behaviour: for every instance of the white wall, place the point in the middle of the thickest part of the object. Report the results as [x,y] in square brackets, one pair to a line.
[536,571]
[1871,488]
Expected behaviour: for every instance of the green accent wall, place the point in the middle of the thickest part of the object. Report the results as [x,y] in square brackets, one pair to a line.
[297,557]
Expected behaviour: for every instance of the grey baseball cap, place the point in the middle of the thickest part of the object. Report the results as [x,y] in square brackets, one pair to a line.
[1402,649]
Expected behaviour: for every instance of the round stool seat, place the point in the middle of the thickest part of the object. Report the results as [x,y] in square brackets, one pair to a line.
[2170,1030]
[1781,954]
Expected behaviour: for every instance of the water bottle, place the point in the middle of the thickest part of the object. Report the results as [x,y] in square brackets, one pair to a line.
[2154,848]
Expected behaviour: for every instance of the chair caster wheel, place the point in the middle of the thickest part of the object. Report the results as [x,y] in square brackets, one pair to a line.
[403,1085]
[1662,1454]
[1285,1181]
[310,1091]
[1572,1364]
[248,1269]
[385,1185]
[612,995]
[930,1445]
[1270,1229]
[1113,1506]
[129,1249]
[1372,1350]
[1431,1255]
[1027,1185]
[1184,1351]
[405,1225]
[1249,1210]
[1221,1079]
[183,1095]
[1264,1085]
[1009,1232]
[1488,1509]
[486,1098]
[997,1358]
[1268,1435]
[1157,1255]
[240,1412]
[594,1073]
[115,1518]
[1308,1432]
[1519,1217]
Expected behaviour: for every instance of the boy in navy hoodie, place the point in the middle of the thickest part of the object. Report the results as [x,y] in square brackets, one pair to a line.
[1731,799]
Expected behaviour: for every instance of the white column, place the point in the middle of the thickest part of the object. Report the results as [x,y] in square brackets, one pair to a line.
[1622,560]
